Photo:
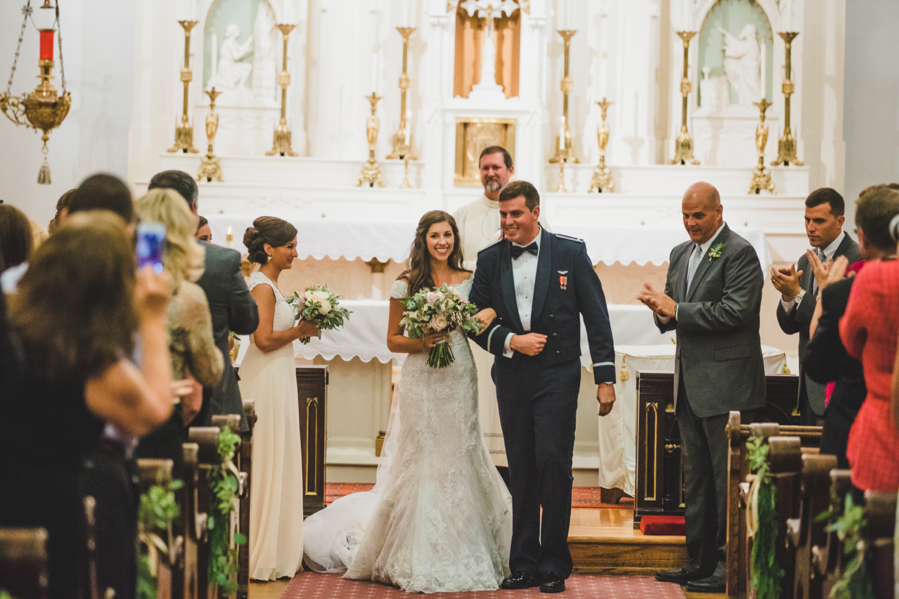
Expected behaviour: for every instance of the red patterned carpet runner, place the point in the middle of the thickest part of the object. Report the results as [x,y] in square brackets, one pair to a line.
[581,497]
[308,585]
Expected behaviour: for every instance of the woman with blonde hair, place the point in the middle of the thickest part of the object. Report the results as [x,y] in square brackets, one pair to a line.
[191,342]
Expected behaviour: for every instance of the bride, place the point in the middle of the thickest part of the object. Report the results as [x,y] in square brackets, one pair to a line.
[439,518]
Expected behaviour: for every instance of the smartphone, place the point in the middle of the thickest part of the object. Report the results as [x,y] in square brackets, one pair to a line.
[150,242]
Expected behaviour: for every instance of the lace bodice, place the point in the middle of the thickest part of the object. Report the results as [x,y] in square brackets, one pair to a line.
[400,289]
[285,316]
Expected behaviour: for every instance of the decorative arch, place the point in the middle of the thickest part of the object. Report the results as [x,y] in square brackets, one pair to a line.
[469,34]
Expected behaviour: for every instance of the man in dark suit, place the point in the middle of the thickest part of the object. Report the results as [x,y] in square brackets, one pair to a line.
[540,284]
[824,219]
[826,359]
[230,302]
[712,297]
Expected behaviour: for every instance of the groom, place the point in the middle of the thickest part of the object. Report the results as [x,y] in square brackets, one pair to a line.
[540,284]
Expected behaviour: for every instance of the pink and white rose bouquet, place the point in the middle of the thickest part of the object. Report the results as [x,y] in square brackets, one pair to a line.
[321,306]
[438,310]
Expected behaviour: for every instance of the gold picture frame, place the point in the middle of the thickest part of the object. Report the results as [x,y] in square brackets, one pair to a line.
[473,134]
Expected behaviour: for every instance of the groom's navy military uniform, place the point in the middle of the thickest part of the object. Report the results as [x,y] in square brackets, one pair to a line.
[537,395]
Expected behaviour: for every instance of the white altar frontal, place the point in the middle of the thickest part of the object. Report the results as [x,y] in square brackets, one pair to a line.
[351,118]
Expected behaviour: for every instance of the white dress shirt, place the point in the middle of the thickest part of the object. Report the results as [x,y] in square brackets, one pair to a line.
[524,275]
[828,252]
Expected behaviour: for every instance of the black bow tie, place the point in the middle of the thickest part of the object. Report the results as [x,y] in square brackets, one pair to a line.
[517,250]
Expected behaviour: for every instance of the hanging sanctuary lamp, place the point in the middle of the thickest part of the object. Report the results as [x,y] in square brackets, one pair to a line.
[43,108]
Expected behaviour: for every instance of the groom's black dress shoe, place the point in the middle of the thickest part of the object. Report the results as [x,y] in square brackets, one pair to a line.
[682,576]
[712,584]
[550,582]
[520,580]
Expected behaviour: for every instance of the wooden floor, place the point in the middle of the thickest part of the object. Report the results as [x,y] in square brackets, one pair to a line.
[603,542]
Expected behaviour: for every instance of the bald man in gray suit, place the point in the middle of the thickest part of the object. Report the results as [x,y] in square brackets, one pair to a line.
[712,297]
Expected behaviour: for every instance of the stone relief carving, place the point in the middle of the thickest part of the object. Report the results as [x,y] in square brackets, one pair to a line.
[741,64]
[232,74]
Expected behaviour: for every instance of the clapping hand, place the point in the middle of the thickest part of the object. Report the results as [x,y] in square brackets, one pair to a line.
[657,301]
[786,280]
[835,272]
[819,269]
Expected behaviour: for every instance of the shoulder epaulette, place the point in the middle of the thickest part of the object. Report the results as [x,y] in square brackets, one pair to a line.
[569,238]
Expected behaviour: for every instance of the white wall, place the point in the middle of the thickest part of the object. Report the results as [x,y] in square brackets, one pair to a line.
[98,46]
[871,95]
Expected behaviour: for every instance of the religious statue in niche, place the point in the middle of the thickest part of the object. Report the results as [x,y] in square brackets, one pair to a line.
[265,68]
[741,63]
[231,74]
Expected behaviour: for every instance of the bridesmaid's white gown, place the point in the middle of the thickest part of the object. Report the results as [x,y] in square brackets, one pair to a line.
[276,510]
[439,519]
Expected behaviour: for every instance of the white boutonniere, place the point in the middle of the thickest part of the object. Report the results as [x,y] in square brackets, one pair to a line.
[716,251]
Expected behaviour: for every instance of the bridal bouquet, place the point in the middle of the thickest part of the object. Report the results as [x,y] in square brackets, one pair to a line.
[319,306]
[439,310]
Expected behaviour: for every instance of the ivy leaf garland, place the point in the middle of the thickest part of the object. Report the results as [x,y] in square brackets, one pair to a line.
[223,485]
[766,573]
[157,510]
[855,581]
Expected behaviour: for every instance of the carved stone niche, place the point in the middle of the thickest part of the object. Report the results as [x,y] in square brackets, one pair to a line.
[470,32]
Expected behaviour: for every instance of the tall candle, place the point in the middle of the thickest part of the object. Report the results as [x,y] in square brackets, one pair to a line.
[603,74]
[408,139]
[569,14]
[375,59]
[407,16]
[763,67]
[229,237]
[46,44]
[562,135]
[688,16]
[288,12]
[215,56]
[788,15]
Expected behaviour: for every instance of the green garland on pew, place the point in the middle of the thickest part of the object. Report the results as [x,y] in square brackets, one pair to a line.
[223,565]
[854,583]
[766,573]
[158,509]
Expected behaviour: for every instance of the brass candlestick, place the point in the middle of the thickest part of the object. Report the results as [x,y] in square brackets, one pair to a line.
[400,147]
[406,184]
[566,86]
[281,145]
[786,146]
[761,179]
[561,187]
[209,166]
[184,133]
[602,176]
[683,147]
[371,173]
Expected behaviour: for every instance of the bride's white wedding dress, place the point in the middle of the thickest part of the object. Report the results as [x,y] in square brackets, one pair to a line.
[440,517]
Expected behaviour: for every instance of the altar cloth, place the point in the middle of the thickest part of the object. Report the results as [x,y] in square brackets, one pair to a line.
[321,238]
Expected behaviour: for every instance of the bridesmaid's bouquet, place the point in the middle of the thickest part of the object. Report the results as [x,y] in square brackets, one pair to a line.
[321,306]
[436,310]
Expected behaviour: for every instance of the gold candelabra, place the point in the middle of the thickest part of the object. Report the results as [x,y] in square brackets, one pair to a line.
[564,143]
[43,108]
[402,147]
[184,133]
[683,147]
[209,167]
[761,179]
[406,184]
[786,146]
[602,176]
[281,145]
[371,172]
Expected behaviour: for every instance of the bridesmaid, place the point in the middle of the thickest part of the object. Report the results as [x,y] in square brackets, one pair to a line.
[268,376]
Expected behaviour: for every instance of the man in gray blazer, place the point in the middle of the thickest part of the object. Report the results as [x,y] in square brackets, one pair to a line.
[230,302]
[824,219]
[712,297]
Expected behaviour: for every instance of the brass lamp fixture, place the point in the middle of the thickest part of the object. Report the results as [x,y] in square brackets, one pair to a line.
[786,145]
[402,139]
[371,173]
[565,143]
[281,145]
[602,176]
[43,108]
[760,178]
[209,167]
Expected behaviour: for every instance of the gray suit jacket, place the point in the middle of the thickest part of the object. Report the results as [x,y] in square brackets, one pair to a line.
[233,309]
[719,351]
[799,319]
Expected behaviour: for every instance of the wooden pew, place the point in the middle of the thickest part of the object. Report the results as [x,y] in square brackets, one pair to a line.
[880,526]
[805,532]
[243,459]
[827,559]
[168,562]
[785,462]
[738,548]
[193,523]
[23,562]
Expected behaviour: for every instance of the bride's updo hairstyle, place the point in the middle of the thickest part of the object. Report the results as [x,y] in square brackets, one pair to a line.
[418,266]
[267,230]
